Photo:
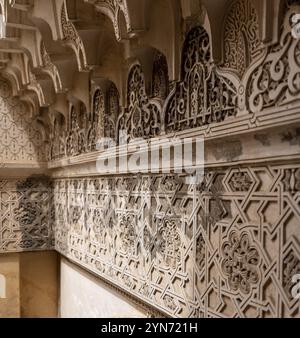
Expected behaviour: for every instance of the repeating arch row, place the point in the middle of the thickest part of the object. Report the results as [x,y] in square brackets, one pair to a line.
[206,94]
[51,63]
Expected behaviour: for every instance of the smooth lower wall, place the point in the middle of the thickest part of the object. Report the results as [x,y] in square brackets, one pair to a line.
[83,295]
[9,286]
[29,285]
[39,284]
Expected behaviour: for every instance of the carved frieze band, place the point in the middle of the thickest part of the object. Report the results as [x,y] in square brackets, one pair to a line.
[228,247]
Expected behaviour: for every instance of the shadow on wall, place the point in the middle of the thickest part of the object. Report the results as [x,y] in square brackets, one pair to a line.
[35,212]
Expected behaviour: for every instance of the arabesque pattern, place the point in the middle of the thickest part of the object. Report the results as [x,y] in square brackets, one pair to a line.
[20,138]
[184,248]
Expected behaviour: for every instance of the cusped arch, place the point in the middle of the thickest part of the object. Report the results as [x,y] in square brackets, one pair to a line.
[203,95]
[106,109]
[142,117]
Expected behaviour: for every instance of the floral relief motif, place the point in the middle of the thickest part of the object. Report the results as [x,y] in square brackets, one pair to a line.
[72,142]
[240,262]
[128,232]
[169,302]
[147,238]
[97,224]
[240,181]
[26,214]
[57,139]
[203,96]
[134,239]
[170,183]
[241,36]
[276,79]
[142,118]
[86,131]
[170,242]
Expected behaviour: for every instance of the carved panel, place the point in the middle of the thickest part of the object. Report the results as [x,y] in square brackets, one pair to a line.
[96,120]
[203,96]
[275,79]
[112,112]
[241,36]
[20,138]
[85,131]
[58,139]
[72,142]
[142,117]
[26,215]
[226,248]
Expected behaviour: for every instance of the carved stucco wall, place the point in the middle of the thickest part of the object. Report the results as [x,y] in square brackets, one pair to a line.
[26,214]
[20,139]
[230,246]
[227,247]
[25,204]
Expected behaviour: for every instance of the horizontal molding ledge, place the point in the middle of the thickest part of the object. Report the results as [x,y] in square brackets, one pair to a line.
[278,144]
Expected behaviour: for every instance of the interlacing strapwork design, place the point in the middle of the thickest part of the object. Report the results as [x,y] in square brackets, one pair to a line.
[203,96]
[96,120]
[241,36]
[26,215]
[240,262]
[221,249]
[57,138]
[20,137]
[72,142]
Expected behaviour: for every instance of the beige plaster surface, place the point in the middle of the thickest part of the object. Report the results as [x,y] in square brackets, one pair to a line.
[31,285]
[85,296]
[39,284]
